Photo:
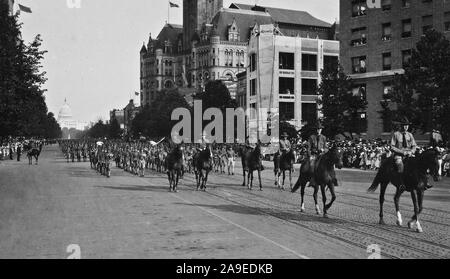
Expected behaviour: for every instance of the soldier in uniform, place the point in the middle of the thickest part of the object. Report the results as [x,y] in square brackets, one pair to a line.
[317,145]
[403,145]
[285,146]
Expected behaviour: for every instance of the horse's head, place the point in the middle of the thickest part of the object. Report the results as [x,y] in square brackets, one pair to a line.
[430,161]
[336,156]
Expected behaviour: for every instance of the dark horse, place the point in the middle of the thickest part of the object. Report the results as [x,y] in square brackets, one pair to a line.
[251,161]
[414,178]
[174,166]
[203,164]
[34,152]
[282,163]
[324,175]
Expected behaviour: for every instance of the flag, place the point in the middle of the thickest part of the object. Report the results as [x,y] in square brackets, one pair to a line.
[24,9]
[173,5]
[137,93]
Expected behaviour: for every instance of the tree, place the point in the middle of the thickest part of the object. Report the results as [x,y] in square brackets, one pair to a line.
[342,109]
[114,129]
[23,111]
[428,75]
[216,95]
[155,120]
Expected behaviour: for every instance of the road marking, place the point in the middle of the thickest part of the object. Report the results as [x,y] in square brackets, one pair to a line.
[244,228]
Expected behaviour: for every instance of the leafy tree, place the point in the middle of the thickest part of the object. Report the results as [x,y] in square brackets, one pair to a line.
[23,111]
[155,120]
[216,95]
[342,109]
[423,93]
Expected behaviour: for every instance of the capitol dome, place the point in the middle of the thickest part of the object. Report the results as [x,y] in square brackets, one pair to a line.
[65,112]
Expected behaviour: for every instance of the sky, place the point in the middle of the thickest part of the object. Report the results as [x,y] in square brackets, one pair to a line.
[93,51]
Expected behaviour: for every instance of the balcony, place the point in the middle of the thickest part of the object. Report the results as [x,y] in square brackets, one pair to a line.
[359,70]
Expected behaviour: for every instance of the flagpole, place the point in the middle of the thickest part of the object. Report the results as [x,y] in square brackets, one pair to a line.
[168,12]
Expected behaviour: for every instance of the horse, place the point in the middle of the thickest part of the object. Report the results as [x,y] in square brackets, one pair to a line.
[203,164]
[174,165]
[251,161]
[34,152]
[414,178]
[282,163]
[324,175]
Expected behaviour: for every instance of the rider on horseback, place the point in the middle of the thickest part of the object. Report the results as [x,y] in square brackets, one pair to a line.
[403,145]
[317,146]
[285,146]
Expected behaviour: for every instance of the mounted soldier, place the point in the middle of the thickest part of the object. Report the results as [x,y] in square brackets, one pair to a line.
[317,146]
[403,145]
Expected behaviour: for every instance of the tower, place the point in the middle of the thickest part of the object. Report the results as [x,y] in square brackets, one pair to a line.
[195,14]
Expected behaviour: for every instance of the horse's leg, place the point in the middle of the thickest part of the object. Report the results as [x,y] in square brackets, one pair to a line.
[316,191]
[333,195]
[324,199]
[302,192]
[382,193]
[170,181]
[415,219]
[420,194]
[284,179]
[37,160]
[248,179]
[398,193]
[259,178]
[290,179]
[243,171]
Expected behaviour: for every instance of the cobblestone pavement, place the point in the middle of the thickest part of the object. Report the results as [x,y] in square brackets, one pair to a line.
[45,208]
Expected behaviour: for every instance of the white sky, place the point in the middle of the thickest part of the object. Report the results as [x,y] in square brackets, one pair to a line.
[93,52]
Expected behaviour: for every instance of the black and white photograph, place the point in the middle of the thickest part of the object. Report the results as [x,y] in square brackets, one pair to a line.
[233,133]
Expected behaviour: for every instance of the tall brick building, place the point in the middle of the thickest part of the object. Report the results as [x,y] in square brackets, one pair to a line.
[376,43]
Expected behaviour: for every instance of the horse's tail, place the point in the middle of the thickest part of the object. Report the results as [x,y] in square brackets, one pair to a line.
[375,183]
[296,186]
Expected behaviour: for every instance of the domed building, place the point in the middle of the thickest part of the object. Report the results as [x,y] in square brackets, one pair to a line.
[65,113]
[65,119]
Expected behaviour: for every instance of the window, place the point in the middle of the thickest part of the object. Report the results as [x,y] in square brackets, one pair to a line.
[287,111]
[387,90]
[359,36]
[406,57]
[387,61]
[330,61]
[386,5]
[447,21]
[253,62]
[406,3]
[286,86]
[309,86]
[309,62]
[427,23]
[253,87]
[309,112]
[253,111]
[286,61]
[406,28]
[359,8]
[359,64]
[387,32]
[360,90]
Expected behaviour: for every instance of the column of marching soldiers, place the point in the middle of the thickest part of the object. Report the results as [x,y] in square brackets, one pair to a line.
[137,157]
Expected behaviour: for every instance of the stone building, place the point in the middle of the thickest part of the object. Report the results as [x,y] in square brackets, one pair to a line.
[212,44]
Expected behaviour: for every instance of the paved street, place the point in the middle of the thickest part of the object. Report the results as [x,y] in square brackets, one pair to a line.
[45,208]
